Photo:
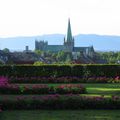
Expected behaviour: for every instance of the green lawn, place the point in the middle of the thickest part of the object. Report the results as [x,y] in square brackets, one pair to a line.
[103,89]
[61,115]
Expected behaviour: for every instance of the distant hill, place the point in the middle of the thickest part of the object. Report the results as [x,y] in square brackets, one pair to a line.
[100,42]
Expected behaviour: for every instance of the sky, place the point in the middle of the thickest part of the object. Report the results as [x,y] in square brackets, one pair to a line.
[38,17]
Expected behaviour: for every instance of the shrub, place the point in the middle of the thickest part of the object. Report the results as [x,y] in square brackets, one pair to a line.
[41,89]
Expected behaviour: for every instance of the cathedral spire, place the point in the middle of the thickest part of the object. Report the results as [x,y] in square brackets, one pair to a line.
[69,33]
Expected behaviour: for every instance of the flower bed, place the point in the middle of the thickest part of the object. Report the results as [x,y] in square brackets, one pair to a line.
[62,102]
[0,109]
[41,89]
[39,79]
[3,80]
[66,79]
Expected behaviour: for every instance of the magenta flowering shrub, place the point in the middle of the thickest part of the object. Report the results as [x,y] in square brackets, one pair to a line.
[41,89]
[0,109]
[117,79]
[3,80]
[8,89]
[100,79]
[65,79]
[70,88]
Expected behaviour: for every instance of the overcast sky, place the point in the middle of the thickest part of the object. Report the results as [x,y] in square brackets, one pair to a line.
[37,17]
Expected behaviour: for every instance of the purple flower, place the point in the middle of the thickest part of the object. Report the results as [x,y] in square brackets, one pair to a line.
[3,80]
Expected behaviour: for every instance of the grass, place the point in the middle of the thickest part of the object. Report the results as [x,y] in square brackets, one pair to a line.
[103,89]
[103,85]
[61,115]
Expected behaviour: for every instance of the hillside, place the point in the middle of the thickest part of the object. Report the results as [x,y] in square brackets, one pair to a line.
[100,42]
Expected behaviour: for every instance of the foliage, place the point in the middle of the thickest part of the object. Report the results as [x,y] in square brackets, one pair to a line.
[38,63]
[61,56]
[42,89]
[39,52]
[3,80]
[83,71]
[62,102]
[6,50]
[112,57]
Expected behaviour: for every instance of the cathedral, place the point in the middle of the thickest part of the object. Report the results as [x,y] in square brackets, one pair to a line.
[68,46]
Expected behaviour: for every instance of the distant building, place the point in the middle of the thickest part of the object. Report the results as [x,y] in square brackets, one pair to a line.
[80,55]
[68,46]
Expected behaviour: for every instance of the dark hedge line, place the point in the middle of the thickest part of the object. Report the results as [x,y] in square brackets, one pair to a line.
[61,70]
[61,102]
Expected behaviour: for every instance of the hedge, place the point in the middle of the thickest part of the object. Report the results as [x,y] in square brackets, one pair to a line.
[102,70]
[61,70]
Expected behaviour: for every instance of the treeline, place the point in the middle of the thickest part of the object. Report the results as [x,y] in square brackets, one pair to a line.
[111,57]
[55,57]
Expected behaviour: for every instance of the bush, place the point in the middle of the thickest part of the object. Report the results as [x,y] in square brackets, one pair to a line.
[42,89]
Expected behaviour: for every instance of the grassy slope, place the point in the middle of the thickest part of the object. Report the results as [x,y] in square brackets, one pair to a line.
[61,115]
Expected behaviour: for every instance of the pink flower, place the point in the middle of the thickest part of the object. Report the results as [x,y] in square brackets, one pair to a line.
[0,110]
[117,78]
[3,80]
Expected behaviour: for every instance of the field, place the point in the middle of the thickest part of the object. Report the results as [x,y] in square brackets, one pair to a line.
[61,115]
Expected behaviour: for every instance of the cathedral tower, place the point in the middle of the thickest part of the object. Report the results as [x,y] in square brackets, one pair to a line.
[69,42]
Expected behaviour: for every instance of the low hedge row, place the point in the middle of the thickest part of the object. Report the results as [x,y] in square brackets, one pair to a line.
[66,79]
[42,89]
[61,70]
[61,102]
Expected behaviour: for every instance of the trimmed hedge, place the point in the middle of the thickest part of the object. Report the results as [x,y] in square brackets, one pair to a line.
[61,70]
[102,70]
[44,70]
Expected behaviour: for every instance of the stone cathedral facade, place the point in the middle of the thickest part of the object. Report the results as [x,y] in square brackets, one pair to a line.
[68,46]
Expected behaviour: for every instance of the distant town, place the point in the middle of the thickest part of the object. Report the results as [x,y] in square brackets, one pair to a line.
[67,53]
